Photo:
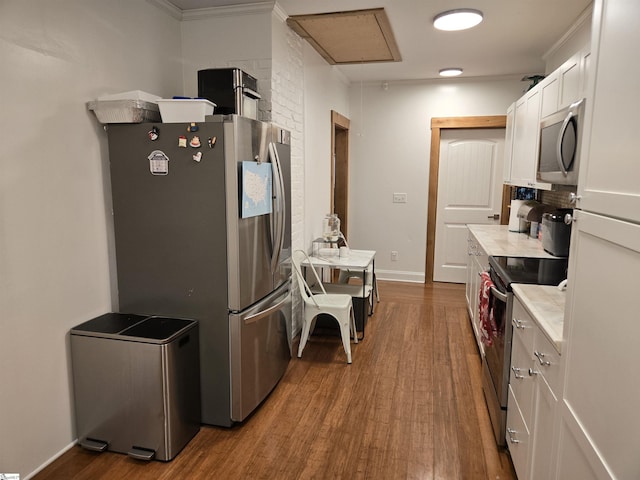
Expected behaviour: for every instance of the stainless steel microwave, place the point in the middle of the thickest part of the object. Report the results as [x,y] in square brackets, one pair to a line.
[560,138]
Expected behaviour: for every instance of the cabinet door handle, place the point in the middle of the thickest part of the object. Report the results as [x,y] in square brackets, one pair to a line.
[495,216]
[516,373]
[512,433]
[540,356]
[518,323]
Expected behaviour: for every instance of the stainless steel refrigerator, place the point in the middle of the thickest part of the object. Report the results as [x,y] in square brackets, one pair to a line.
[203,230]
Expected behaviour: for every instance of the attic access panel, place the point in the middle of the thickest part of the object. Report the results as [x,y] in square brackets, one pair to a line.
[358,36]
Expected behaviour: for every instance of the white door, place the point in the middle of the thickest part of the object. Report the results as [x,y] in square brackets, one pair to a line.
[469,191]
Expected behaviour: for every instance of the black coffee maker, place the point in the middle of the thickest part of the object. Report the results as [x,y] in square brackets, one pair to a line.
[556,231]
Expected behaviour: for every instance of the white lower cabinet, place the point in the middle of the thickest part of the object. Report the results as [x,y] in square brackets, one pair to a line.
[532,408]
[517,437]
[543,448]
[599,405]
[477,262]
[577,458]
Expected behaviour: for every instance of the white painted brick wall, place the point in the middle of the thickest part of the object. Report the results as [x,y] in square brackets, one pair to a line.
[261,70]
[287,111]
[281,86]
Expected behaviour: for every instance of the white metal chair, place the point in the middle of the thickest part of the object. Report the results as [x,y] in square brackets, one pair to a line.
[339,306]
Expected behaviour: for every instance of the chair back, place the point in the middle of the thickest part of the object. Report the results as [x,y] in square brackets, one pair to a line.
[297,258]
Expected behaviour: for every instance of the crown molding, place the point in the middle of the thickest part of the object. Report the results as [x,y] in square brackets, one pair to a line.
[167,7]
[279,12]
[228,11]
[584,17]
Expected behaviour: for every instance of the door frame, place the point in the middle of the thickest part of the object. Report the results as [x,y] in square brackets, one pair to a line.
[437,125]
[340,169]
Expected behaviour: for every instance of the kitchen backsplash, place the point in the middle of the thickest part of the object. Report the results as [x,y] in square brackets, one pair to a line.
[557,198]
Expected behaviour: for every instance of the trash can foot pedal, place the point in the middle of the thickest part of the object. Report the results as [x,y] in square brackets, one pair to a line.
[94,445]
[141,453]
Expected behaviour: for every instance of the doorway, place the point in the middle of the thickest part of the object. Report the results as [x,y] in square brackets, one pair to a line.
[340,169]
[438,125]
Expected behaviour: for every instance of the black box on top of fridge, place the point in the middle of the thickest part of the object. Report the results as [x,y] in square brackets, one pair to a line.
[231,89]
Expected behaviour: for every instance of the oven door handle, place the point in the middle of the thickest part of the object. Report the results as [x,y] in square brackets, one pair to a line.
[499,295]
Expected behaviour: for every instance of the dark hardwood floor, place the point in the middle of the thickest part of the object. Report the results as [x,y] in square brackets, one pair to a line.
[410,406]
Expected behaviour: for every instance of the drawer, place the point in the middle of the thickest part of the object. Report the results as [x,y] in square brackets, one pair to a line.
[523,324]
[522,384]
[547,361]
[517,438]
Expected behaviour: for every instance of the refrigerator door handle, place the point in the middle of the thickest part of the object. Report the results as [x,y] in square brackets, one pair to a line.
[278,224]
[265,313]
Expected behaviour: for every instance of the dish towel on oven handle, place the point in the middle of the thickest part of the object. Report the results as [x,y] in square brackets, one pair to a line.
[487,324]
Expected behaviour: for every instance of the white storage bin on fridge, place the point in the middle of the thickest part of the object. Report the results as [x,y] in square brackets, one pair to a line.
[124,111]
[136,384]
[186,110]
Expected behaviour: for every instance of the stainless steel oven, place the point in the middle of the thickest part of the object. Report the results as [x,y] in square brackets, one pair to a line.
[496,360]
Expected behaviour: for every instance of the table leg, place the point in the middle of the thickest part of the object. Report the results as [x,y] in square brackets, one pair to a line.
[364,302]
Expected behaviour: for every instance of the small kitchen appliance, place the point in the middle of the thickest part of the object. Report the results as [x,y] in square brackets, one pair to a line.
[556,232]
[560,138]
[232,90]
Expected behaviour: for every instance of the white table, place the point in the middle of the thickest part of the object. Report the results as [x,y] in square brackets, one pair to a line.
[358,260]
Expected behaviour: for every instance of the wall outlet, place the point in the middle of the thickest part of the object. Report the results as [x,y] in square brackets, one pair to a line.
[399,198]
[394,256]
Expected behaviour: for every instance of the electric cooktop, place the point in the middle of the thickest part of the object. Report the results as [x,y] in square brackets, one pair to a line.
[540,271]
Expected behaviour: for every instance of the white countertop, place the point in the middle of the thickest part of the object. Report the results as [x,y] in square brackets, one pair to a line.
[546,306]
[497,240]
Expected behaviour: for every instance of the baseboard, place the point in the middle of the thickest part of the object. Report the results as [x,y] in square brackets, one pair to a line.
[51,460]
[400,276]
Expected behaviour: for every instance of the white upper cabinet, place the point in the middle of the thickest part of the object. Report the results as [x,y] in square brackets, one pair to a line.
[508,143]
[526,135]
[609,181]
[570,78]
[550,89]
[559,89]
[567,84]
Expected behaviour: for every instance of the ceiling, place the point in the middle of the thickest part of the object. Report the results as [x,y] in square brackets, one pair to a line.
[512,39]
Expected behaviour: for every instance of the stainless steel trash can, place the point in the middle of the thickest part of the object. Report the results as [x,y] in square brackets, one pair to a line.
[137,384]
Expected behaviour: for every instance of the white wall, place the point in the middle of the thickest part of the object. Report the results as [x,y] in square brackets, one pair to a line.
[325,89]
[390,145]
[54,223]
[237,36]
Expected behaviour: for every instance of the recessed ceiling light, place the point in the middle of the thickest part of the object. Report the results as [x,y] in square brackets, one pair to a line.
[459,19]
[450,72]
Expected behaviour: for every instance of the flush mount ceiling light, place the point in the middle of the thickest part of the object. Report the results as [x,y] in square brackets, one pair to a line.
[459,19]
[450,72]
